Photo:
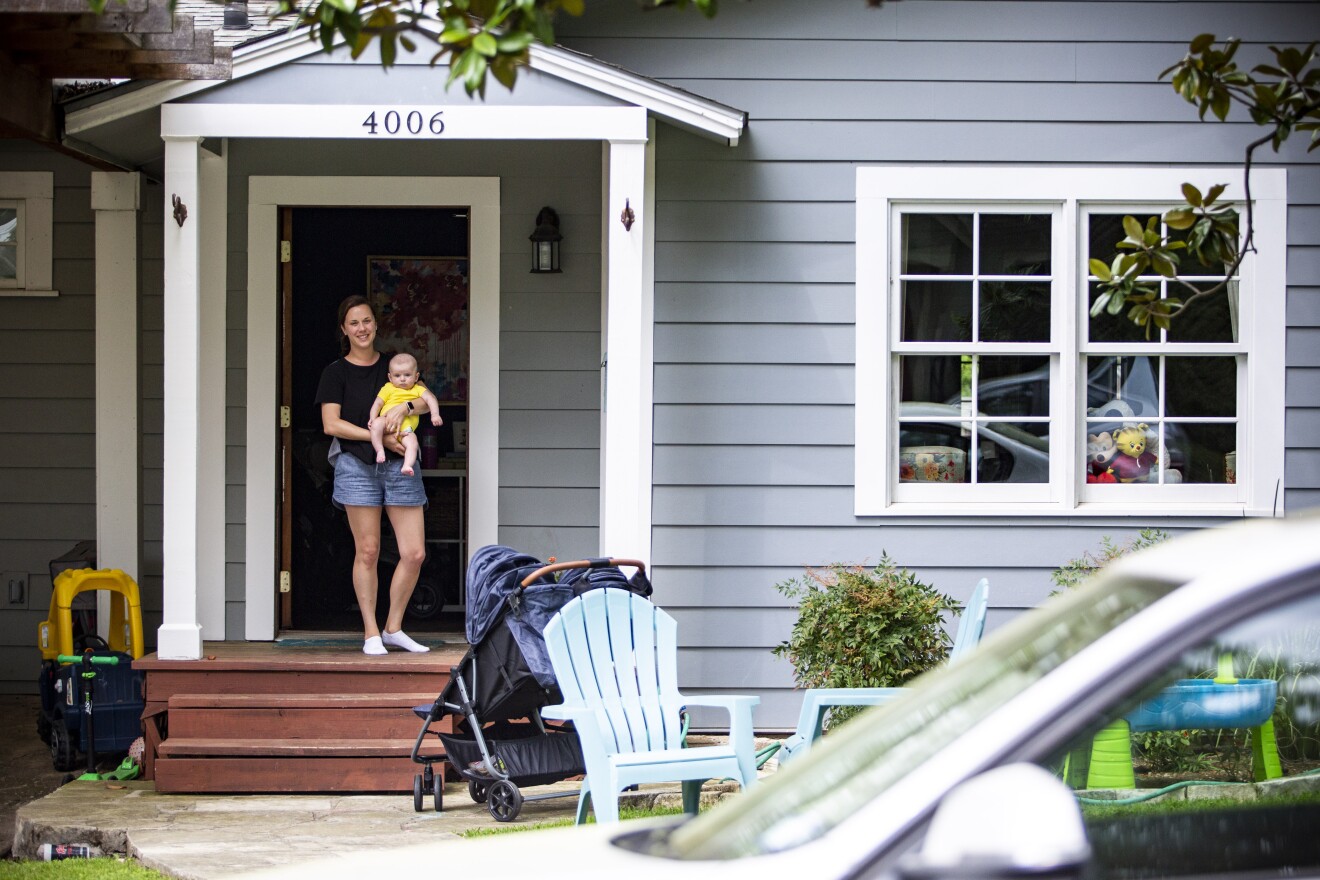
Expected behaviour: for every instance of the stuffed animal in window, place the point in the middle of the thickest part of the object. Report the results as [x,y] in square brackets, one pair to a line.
[1100,454]
[1132,464]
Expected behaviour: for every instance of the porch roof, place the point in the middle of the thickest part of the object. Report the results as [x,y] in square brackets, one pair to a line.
[90,113]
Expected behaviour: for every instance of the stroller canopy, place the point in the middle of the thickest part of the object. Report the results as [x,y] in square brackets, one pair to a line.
[493,577]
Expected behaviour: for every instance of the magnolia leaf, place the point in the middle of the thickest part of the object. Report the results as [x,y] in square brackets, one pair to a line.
[1100,270]
[1201,43]
[1215,192]
[1180,218]
[1192,195]
[1132,227]
[485,44]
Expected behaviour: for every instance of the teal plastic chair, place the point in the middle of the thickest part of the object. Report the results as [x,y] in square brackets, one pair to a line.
[615,656]
[816,701]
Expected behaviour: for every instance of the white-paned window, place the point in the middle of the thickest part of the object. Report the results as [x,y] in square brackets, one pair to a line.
[26,232]
[985,386]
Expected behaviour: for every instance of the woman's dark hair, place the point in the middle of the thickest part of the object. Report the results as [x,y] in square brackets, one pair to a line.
[349,302]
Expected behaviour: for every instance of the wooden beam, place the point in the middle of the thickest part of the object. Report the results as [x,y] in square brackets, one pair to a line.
[59,63]
[157,18]
[27,102]
[148,70]
[72,7]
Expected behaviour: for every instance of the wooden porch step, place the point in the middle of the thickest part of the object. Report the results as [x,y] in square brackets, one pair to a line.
[201,747]
[296,716]
[254,717]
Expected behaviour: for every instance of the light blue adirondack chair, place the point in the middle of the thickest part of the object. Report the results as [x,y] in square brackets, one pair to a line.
[615,656]
[816,701]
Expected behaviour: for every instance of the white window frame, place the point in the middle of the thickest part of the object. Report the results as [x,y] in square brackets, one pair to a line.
[1066,191]
[33,193]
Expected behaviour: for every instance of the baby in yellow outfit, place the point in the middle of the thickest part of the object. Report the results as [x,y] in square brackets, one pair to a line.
[402,390]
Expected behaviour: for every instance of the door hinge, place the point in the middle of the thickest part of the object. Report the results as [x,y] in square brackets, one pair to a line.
[286,251]
[286,417]
[286,582]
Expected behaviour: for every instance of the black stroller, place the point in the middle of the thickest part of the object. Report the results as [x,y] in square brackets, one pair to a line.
[499,741]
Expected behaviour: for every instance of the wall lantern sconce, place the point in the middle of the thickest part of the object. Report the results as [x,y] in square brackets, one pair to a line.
[545,242]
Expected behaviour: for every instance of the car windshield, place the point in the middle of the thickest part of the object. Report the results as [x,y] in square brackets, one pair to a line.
[852,766]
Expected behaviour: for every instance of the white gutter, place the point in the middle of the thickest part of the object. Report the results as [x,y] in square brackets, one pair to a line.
[684,108]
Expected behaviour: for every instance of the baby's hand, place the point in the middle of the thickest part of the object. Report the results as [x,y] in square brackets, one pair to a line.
[436,420]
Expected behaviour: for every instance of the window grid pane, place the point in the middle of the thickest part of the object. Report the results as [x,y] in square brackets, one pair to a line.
[1168,420]
[11,230]
[942,298]
[1213,319]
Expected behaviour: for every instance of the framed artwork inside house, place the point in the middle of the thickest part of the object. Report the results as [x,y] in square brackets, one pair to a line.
[421,304]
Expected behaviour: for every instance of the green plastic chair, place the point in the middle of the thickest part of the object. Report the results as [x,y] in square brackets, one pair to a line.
[816,701]
[615,656]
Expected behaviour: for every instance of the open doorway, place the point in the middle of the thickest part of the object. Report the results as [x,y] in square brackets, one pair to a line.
[413,263]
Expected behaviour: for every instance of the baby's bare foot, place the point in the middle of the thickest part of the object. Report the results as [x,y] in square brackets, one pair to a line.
[406,470]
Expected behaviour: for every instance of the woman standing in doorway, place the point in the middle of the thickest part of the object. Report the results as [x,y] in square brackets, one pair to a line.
[362,487]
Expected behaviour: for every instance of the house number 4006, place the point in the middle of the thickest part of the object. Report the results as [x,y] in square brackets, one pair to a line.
[412,122]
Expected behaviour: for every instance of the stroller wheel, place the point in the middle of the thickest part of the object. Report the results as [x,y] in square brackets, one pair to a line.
[505,801]
[478,791]
[418,806]
[438,791]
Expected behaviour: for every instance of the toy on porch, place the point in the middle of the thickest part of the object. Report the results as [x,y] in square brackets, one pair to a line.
[90,677]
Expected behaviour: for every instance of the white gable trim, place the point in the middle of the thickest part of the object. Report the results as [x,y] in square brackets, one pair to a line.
[682,108]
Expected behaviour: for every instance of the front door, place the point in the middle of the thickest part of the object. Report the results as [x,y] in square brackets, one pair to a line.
[413,265]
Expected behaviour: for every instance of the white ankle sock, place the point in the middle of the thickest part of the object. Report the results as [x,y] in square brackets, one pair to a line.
[400,640]
[373,646]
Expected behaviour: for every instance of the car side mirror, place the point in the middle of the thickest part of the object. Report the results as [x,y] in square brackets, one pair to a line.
[1013,821]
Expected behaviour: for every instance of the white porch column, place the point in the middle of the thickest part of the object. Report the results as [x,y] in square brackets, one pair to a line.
[625,489]
[116,200]
[180,635]
[212,223]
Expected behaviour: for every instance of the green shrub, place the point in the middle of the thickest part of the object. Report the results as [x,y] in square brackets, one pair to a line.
[861,627]
[1075,572]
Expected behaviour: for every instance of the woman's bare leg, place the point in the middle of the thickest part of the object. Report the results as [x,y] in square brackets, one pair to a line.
[364,522]
[410,531]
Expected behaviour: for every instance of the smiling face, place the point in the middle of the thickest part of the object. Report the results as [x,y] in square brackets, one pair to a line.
[359,327]
[403,371]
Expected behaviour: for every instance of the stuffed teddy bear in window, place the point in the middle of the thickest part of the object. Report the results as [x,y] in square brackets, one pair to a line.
[1132,463]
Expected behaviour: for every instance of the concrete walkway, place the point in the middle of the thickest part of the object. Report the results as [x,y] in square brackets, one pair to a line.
[206,837]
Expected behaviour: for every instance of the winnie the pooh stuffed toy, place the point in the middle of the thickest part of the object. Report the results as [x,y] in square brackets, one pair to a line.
[1132,463]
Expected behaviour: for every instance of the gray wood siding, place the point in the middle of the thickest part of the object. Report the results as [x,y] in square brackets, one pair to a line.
[47,374]
[755,254]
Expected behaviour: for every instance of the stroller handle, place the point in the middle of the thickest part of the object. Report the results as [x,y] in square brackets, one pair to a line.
[602,562]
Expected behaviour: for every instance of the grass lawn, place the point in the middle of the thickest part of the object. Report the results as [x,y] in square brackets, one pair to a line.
[108,868]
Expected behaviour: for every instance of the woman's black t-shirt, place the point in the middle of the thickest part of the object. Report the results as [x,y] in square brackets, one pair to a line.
[354,389]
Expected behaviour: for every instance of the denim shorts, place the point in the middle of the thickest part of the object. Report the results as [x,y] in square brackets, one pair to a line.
[358,484]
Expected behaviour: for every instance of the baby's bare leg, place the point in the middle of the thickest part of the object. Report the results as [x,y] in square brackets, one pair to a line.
[378,438]
[409,442]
